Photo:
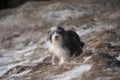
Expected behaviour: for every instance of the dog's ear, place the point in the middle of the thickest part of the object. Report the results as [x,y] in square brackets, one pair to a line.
[48,32]
[48,35]
[60,30]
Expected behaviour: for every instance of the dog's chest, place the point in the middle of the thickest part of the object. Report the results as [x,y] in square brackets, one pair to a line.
[59,50]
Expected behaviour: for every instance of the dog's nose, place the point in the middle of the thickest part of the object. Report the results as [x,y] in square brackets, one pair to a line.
[56,37]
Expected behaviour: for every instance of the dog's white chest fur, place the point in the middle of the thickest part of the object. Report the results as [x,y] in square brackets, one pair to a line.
[59,51]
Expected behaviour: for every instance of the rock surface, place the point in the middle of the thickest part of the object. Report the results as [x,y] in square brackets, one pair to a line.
[24,51]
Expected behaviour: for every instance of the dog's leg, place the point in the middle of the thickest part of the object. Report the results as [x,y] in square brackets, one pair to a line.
[53,60]
[62,61]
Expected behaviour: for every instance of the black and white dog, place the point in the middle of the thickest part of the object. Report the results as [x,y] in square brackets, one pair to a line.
[64,44]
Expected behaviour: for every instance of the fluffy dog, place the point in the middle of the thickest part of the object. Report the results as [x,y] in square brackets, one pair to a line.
[64,44]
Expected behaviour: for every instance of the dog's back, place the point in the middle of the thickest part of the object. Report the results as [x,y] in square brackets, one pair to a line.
[74,43]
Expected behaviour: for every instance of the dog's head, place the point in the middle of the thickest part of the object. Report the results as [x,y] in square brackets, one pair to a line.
[55,34]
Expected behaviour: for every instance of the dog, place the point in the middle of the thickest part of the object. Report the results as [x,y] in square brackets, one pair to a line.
[64,44]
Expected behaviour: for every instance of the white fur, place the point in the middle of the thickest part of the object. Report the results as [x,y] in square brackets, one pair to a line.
[62,53]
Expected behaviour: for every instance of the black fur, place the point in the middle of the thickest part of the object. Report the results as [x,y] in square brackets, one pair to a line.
[73,42]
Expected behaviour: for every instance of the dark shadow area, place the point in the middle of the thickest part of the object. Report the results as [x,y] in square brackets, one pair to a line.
[4,4]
